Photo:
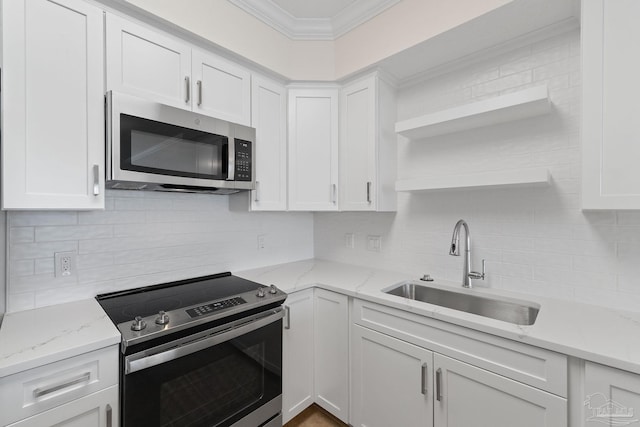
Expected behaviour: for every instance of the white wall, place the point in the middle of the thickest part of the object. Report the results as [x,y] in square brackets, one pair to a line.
[397,28]
[232,28]
[144,238]
[404,25]
[535,240]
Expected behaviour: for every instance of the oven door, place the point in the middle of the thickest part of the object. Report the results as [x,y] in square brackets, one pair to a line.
[227,376]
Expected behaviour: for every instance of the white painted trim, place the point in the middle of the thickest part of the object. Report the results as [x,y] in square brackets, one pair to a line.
[314,28]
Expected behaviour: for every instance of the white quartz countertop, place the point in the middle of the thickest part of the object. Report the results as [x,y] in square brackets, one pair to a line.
[589,332]
[36,337]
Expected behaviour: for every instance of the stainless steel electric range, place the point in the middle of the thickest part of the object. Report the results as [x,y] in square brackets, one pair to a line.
[199,352]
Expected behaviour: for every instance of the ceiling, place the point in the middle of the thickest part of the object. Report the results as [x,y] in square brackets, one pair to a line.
[314,19]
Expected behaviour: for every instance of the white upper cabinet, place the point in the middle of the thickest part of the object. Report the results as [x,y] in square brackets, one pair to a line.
[313,148]
[156,66]
[269,117]
[367,146]
[220,88]
[52,105]
[148,64]
[610,135]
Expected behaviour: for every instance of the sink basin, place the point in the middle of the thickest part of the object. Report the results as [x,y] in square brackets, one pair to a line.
[518,313]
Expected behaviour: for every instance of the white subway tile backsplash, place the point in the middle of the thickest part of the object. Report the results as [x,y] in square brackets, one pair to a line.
[141,239]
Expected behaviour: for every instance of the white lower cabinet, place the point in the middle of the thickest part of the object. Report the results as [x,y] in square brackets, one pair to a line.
[392,383]
[297,354]
[407,370]
[611,396]
[469,396]
[78,391]
[331,341]
[96,410]
[316,353]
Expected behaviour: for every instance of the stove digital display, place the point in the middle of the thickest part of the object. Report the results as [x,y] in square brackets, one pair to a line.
[207,309]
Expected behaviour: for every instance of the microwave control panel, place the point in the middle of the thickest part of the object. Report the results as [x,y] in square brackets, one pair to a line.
[243,160]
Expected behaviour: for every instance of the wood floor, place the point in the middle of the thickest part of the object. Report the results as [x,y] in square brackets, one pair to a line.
[315,416]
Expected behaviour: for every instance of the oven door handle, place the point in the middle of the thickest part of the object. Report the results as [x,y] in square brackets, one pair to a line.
[136,363]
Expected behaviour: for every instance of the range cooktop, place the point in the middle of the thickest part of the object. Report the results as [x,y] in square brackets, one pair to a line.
[149,312]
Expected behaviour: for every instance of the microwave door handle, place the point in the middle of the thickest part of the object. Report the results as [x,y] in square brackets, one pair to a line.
[232,160]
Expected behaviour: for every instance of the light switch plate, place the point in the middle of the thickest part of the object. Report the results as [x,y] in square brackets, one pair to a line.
[374,243]
[350,240]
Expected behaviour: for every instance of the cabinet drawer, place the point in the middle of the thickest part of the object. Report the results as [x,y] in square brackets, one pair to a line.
[530,365]
[96,410]
[36,390]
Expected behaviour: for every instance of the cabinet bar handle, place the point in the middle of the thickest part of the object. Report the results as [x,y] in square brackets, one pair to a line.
[109,416]
[438,381]
[39,392]
[369,192]
[425,374]
[334,192]
[199,83]
[257,196]
[287,317]
[96,180]
[187,90]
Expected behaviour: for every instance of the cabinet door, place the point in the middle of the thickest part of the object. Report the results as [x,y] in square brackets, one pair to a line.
[221,89]
[269,117]
[147,63]
[392,383]
[53,105]
[612,396]
[95,410]
[332,353]
[298,354]
[470,396]
[610,135]
[358,150]
[313,149]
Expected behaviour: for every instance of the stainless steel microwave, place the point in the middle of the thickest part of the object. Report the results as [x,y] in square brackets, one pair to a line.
[152,146]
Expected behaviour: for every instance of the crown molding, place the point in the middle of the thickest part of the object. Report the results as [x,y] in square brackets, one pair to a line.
[314,28]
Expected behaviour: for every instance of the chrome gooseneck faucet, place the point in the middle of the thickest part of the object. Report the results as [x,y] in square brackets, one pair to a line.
[467,274]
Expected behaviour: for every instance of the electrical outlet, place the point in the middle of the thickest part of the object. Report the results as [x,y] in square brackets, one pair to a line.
[65,264]
[349,240]
[261,239]
[374,243]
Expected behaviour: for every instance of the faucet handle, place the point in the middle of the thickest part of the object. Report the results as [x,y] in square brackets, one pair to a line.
[476,275]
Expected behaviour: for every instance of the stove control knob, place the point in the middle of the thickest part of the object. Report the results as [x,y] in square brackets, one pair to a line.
[260,293]
[273,289]
[138,324]
[163,318]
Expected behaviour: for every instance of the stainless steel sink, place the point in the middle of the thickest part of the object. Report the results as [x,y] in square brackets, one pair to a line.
[519,313]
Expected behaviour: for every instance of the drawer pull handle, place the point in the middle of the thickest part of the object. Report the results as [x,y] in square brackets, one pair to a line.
[369,192]
[287,317]
[39,392]
[187,90]
[96,180]
[438,385]
[425,374]
[109,416]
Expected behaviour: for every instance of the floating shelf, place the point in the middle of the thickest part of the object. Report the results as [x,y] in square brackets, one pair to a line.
[513,106]
[520,177]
